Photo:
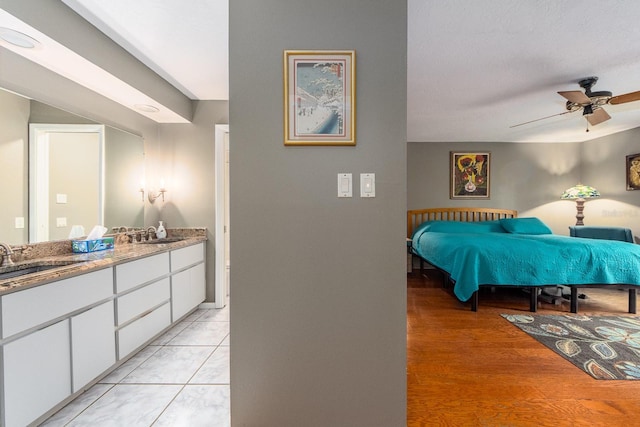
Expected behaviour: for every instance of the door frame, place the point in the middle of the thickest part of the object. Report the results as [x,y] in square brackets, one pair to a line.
[39,173]
[220,265]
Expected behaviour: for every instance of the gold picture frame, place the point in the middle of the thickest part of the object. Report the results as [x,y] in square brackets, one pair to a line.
[319,97]
[633,172]
[470,175]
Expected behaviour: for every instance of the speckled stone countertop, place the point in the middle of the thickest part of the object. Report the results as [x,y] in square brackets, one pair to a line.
[59,262]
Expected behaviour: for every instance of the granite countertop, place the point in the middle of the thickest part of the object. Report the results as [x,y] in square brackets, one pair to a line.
[63,265]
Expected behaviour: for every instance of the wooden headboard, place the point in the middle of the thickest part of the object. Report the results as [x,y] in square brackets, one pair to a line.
[418,216]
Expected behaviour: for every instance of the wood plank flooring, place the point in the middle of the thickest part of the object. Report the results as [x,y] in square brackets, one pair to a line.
[476,369]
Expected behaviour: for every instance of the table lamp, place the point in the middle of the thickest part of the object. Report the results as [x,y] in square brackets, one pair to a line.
[580,193]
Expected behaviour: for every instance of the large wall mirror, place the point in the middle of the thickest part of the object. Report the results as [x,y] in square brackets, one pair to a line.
[87,174]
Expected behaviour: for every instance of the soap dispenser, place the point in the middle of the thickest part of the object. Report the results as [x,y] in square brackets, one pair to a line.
[161,232]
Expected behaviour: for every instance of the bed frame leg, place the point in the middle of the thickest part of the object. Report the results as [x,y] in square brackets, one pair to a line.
[574,299]
[632,301]
[533,299]
[474,301]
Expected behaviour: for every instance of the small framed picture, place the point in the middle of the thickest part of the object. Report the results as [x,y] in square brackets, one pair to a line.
[470,175]
[633,172]
[319,97]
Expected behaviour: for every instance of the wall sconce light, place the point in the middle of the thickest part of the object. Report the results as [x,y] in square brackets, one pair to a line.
[580,193]
[152,195]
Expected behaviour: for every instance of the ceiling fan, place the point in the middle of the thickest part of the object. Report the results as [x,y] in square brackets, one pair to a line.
[590,102]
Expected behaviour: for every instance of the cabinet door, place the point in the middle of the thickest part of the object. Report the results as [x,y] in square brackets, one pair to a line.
[187,290]
[93,343]
[37,373]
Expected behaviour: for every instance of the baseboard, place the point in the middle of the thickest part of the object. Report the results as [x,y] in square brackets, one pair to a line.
[207,305]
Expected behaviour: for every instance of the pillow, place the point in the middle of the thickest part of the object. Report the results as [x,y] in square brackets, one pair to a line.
[525,226]
[462,227]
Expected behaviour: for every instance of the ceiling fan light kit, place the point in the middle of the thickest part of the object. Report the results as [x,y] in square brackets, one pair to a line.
[590,102]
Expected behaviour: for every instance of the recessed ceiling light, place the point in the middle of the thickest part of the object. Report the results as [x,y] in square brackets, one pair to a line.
[17,38]
[147,108]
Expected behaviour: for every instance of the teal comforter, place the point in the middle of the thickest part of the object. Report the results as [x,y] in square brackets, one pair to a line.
[490,257]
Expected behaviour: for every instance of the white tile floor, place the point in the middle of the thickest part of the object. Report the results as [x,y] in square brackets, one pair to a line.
[180,379]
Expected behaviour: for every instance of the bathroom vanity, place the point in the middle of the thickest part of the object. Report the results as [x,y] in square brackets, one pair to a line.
[65,328]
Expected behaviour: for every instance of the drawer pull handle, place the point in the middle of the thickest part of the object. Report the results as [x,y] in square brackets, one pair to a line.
[146,313]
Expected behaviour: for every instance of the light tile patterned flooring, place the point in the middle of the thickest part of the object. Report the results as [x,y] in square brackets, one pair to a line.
[180,379]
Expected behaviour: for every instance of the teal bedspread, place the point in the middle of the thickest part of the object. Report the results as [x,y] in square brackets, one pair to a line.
[501,258]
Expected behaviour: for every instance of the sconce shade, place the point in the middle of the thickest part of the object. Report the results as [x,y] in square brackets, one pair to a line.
[580,192]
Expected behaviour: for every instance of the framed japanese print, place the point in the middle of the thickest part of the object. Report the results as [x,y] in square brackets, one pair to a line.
[319,97]
[633,172]
[470,175]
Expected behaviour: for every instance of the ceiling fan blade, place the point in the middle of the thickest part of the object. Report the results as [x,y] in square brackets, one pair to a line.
[598,116]
[542,118]
[627,97]
[575,96]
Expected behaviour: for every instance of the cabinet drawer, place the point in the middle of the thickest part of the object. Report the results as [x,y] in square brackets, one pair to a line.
[139,332]
[134,273]
[25,309]
[141,300]
[185,257]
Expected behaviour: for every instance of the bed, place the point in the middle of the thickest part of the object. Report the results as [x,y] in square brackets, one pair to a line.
[477,247]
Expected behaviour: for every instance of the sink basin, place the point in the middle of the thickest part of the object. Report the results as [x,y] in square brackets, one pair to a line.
[160,241]
[32,267]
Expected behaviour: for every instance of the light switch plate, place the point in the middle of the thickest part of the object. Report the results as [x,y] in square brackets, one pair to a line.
[19,222]
[61,198]
[367,185]
[345,185]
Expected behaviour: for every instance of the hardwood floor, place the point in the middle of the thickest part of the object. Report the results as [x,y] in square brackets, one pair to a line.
[476,369]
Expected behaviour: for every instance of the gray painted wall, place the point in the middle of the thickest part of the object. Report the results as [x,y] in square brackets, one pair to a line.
[604,167]
[318,291]
[14,149]
[531,178]
[183,156]
[124,164]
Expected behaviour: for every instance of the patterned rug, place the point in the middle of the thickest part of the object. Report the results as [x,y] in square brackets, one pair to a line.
[605,347]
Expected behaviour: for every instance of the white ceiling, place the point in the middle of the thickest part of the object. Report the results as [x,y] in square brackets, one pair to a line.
[475,68]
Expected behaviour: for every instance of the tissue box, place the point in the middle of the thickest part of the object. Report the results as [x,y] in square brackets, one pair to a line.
[84,246]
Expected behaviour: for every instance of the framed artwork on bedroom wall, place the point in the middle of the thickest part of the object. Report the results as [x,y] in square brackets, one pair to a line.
[470,175]
[633,172]
[319,97]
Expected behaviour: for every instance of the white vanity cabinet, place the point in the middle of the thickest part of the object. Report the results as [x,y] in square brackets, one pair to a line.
[143,301]
[187,279]
[54,337]
[58,338]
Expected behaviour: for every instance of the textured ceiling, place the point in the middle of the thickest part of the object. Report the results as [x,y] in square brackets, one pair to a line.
[475,68]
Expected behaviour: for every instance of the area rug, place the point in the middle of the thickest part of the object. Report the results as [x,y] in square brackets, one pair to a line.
[605,347]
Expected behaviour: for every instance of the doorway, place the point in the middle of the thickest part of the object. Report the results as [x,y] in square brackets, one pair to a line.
[222,228]
[66,179]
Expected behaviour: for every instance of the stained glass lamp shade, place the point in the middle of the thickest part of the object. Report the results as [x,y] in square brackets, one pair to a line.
[580,193]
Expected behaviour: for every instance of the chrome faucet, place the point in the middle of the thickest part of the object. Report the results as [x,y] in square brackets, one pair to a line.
[6,258]
[151,229]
